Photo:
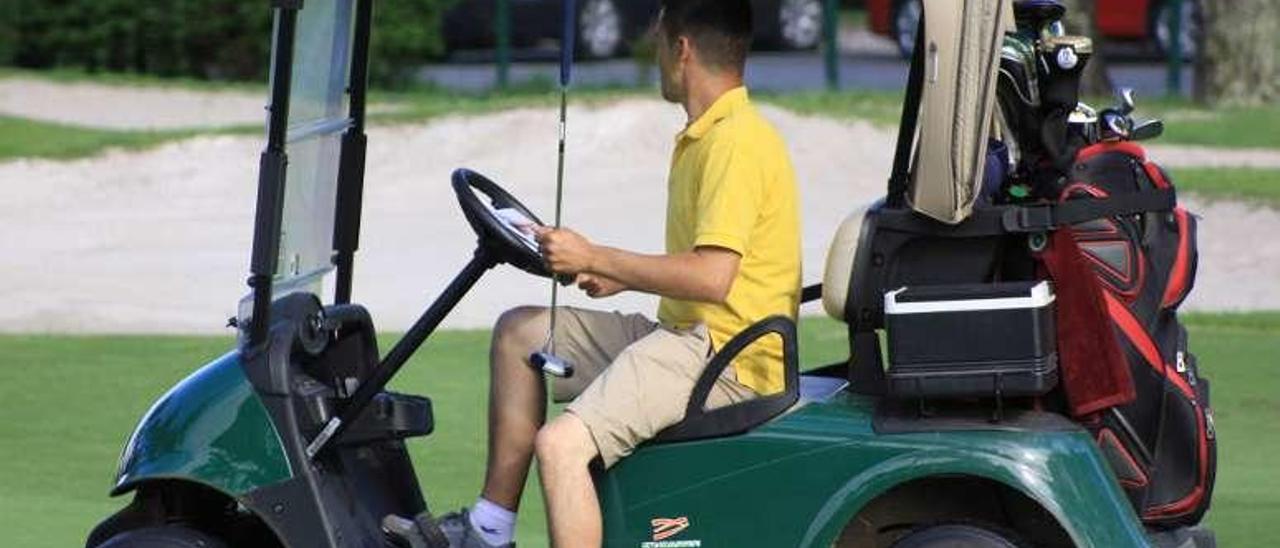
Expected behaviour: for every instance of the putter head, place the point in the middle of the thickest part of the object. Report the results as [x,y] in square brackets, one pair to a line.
[551,364]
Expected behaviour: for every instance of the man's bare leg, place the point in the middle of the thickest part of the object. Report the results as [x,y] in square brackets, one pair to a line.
[517,403]
[565,449]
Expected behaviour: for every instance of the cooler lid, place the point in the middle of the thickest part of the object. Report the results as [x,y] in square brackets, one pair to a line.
[968,297]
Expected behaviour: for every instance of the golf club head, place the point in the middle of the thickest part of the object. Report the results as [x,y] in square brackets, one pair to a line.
[551,364]
[1115,126]
[1149,129]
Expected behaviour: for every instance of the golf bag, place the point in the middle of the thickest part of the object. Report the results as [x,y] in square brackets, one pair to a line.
[1150,414]
[1161,445]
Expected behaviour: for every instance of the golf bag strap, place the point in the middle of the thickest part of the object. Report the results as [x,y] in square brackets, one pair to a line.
[1040,218]
[1016,219]
[900,178]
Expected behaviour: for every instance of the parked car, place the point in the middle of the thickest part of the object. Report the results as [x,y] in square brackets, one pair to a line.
[1146,20]
[607,27]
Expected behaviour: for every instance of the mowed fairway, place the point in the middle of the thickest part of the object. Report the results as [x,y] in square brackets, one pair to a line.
[69,403]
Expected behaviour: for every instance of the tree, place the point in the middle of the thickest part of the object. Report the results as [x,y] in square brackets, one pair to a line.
[1095,81]
[208,39]
[1240,64]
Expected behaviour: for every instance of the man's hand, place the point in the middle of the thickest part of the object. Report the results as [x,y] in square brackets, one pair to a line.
[565,251]
[598,287]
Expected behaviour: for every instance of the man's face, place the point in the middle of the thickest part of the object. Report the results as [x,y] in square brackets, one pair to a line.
[670,64]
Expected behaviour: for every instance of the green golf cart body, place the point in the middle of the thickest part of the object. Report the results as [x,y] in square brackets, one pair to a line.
[798,480]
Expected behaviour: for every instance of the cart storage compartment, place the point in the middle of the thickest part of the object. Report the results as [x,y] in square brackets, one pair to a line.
[971,340]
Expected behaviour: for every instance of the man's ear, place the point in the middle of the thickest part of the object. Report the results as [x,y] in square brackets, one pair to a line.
[684,50]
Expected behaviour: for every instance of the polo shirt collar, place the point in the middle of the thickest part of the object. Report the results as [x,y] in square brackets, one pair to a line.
[719,110]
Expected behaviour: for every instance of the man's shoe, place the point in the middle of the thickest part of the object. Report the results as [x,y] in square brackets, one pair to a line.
[461,534]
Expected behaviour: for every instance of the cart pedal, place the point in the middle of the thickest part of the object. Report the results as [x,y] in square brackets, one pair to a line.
[419,532]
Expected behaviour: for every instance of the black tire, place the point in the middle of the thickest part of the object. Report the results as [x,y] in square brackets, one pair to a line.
[905,24]
[955,535]
[799,24]
[1192,27]
[165,536]
[602,29]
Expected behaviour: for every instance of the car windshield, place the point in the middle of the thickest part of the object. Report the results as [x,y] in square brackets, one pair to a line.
[317,117]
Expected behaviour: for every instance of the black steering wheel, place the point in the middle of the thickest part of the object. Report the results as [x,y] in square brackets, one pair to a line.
[495,234]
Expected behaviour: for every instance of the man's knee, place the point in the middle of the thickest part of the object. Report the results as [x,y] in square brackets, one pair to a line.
[565,441]
[520,329]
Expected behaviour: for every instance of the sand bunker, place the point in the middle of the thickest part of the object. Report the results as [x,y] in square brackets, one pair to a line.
[158,240]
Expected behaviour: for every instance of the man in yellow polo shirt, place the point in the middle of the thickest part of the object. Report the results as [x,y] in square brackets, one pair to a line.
[732,258]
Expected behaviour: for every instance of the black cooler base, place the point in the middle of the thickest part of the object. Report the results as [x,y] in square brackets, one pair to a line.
[971,341]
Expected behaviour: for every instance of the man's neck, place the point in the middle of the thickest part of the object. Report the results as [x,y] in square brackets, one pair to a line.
[703,92]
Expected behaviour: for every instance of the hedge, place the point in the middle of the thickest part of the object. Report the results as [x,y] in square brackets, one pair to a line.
[206,39]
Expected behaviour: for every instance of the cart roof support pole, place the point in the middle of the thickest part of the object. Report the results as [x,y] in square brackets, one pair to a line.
[350,195]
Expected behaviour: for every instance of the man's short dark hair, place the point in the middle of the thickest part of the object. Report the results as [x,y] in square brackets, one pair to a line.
[719,29]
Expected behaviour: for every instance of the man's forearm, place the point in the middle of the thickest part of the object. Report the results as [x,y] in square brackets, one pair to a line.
[681,276]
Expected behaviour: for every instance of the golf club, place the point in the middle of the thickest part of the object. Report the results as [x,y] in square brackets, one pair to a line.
[546,359]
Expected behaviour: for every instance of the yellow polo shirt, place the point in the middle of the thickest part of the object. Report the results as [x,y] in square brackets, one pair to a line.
[732,186]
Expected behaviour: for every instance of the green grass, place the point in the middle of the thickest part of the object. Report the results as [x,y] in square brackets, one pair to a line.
[424,103]
[22,138]
[70,401]
[1255,186]
[1186,123]
[881,108]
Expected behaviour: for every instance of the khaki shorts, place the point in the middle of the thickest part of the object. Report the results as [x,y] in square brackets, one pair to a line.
[632,376]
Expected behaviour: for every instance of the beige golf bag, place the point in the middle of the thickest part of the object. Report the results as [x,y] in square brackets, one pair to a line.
[962,40]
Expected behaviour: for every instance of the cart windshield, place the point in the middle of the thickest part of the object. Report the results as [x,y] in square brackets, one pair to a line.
[317,117]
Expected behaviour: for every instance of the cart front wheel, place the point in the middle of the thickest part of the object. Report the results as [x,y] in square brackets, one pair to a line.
[955,536]
[167,536]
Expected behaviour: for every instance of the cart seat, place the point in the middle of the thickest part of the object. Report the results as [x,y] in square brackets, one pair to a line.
[700,423]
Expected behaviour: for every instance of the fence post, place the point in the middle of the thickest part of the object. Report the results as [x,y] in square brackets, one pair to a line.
[830,37]
[1175,48]
[502,31]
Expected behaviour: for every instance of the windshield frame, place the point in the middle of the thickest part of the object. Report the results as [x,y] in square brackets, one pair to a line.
[264,280]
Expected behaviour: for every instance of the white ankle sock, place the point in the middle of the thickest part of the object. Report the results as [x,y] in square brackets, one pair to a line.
[496,524]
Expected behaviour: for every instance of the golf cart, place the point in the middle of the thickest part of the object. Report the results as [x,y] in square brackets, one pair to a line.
[291,439]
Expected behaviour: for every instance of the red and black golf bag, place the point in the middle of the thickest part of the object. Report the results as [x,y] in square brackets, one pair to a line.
[1161,444]
[1126,259]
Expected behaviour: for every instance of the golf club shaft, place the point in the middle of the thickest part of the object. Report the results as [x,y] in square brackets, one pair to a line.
[568,18]
[564,99]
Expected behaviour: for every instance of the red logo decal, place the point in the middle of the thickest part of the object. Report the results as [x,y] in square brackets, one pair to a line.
[667,527]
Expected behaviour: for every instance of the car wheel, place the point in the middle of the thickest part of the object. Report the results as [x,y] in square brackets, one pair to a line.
[167,536]
[599,29]
[906,23]
[1191,23]
[955,535]
[800,23]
